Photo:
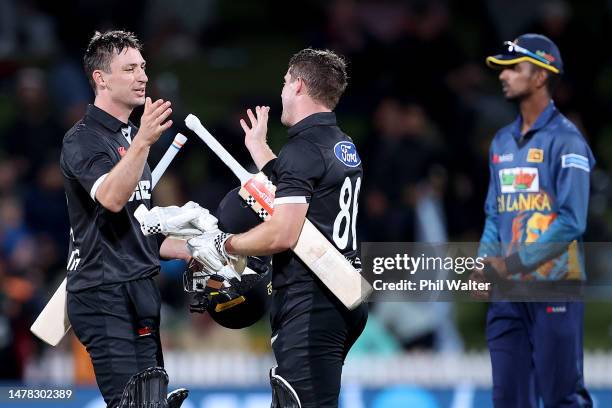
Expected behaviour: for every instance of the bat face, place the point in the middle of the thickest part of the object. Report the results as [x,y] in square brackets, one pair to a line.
[330,266]
[258,193]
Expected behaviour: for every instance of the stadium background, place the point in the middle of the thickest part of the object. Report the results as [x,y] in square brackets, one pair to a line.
[421,107]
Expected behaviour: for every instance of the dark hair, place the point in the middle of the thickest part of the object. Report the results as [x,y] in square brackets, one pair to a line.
[552,83]
[101,48]
[323,72]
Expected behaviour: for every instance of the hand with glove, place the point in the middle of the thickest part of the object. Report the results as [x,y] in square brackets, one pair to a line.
[183,222]
[209,249]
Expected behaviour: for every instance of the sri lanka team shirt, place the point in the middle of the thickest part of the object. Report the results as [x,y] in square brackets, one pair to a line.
[537,201]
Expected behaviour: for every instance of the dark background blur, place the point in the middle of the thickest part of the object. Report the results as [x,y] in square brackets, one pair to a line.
[421,106]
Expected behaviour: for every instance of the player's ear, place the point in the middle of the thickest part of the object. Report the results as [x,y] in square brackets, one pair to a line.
[541,77]
[98,77]
[300,86]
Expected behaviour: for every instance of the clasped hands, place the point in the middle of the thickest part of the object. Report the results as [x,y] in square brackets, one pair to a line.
[205,241]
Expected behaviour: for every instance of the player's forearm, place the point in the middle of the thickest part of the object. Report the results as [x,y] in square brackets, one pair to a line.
[119,184]
[278,234]
[266,239]
[554,241]
[261,154]
[173,248]
[259,241]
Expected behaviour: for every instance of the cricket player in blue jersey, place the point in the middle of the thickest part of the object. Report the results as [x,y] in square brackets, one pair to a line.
[538,194]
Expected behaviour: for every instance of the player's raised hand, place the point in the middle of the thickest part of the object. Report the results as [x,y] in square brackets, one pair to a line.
[255,135]
[154,120]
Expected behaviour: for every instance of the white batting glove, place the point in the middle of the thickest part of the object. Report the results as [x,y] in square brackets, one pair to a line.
[205,222]
[209,249]
[186,221]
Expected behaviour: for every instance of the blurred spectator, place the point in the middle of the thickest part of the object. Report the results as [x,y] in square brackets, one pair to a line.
[344,31]
[25,29]
[400,155]
[8,27]
[425,325]
[435,62]
[46,214]
[9,369]
[70,91]
[13,229]
[174,27]
[34,134]
[17,289]
[511,16]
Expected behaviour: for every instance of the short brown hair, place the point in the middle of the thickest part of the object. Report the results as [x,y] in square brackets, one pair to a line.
[101,48]
[323,72]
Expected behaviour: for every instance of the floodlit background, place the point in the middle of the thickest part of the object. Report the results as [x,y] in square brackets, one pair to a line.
[421,106]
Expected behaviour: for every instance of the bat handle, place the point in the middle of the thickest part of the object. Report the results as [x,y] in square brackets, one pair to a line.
[164,162]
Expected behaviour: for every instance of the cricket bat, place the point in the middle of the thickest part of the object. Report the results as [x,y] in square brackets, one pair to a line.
[52,323]
[320,255]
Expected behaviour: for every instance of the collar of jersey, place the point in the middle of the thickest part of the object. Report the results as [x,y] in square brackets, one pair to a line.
[542,120]
[105,119]
[316,119]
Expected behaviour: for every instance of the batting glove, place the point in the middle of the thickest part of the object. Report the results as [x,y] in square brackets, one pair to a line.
[209,249]
[186,221]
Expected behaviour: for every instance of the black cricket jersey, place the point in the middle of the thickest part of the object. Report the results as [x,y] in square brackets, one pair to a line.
[105,247]
[319,165]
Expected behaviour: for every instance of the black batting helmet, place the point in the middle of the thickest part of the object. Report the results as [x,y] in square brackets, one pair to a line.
[256,282]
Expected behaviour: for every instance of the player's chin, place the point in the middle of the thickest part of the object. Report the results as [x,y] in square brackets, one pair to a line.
[511,97]
[135,102]
[515,96]
[285,120]
[139,100]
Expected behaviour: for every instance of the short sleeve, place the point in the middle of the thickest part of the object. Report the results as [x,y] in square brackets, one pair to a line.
[298,168]
[86,159]
[268,169]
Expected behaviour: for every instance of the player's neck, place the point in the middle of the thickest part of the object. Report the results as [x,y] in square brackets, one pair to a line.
[531,108]
[307,109]
[119,111]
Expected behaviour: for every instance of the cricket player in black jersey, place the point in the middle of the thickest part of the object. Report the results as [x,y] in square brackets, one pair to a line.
[318,175]
[113,303]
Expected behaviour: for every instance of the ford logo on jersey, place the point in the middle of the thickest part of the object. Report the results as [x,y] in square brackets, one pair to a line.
[347,154]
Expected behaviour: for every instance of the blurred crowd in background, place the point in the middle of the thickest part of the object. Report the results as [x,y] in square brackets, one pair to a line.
[421,106]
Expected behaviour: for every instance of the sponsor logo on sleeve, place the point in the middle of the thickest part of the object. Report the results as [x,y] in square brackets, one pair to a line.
[145,331]
[346,152]
[535,156]
[519,180]
[502,158]
[575,160]
[556,309]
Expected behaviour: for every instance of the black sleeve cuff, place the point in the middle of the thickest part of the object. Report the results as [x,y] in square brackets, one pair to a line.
[160,239]
[515,265]
[269,168]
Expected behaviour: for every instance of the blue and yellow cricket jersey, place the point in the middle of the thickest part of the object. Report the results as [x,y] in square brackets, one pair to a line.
[538,193]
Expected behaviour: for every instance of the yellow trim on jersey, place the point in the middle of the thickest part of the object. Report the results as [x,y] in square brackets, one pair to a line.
[495,63]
